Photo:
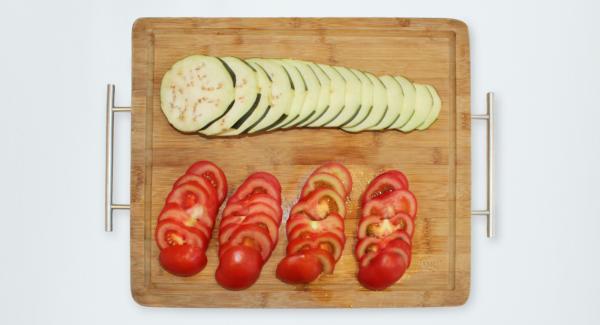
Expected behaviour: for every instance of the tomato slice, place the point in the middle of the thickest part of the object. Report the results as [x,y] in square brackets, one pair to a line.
[263,198]
[260,184]
[200,181]
[389,181]
[390,204]
[315,227]
[320,203]
[325,258]
[374,244]
[194,200]
[333,221]
[253,236]
[213,174]
[182,260]
[327,241]
[239,267]
[240,209]
[174,212]
[299,269]
[385,269]
[323,180]
[340,171]
[229,224]
[377,226]
[173,233]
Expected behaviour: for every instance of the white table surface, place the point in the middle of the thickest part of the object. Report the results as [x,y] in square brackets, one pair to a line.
[58,266]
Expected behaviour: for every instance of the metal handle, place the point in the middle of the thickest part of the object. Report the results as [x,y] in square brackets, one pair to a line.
[109,206]
[489,210]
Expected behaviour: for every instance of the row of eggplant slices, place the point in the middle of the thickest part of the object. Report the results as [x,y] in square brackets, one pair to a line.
[229,96]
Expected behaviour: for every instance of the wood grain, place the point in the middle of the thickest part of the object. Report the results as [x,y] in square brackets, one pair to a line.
[436,161]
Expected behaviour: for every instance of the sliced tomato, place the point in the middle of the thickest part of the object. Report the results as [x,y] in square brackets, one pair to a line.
[320,203]
[377,226]
[385,269]
[326,241]
[213,174]
[325,258]
[239,267]
[260,184]
[397,246]
[374,244]
[315,227]
[299,268]
[202,182]
[253,236]
[389,181]
[265,199]
[194,200]
[332,221]
[173,233]
[259,219]
[174,212]
[340,171]
[182,260]
[323,180]
[391,204]
[240,209]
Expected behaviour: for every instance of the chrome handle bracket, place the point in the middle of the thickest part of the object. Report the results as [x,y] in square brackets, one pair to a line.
[488,212]
[109,205]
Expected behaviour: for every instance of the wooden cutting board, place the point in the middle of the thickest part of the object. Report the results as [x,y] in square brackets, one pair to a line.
[437,161]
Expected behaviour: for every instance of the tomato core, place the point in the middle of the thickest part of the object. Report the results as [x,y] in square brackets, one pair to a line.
[174,239]
[331,205]
[326,246]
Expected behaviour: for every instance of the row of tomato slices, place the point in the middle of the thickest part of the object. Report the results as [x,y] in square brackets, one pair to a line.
[249,228]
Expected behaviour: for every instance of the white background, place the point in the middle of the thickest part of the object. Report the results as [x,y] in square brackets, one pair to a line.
[57,266]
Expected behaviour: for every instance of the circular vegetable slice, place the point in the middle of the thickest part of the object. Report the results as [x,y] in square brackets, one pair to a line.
[397,246]
[377,226]
[339,171]
[257,183]
[392,203]
[323,180]
[299,269]
[374,244]
[327,241]
[182,260]
[172,233]
[320,203]
[202,182]
[174,212]
[239,267]
[213,174]
[253,236]
[332,221]
[195,201]
[239,209]
[382,271]
[259,219]
[386,182]
[325,258]
[314,227]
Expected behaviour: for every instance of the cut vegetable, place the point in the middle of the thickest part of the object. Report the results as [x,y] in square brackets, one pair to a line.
[423,104]
[324,94]
[366,104]
[313,90]
[282,94]
[408,107]
[337,98]
[247,96]
[352,98]
[299,93]
[196,91]
[394,102]
[435,109]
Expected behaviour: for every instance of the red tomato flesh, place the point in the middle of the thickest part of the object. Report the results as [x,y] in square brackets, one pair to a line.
[387,182]
[392,203]
[239,267]
[182,260]
[383,271]
[213,174]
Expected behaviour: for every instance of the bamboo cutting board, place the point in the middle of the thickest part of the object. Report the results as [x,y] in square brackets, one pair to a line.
[437,161]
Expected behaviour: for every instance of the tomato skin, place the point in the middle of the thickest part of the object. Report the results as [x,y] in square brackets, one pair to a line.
[213,174]
[299,269]
[239,267]
[383,270]
[340,171]
[386,182]
[182,260]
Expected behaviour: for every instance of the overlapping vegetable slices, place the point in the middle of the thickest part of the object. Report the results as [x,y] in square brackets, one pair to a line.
[185,224]
[248,231]
[385,230]
[315,228]
[228,96]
